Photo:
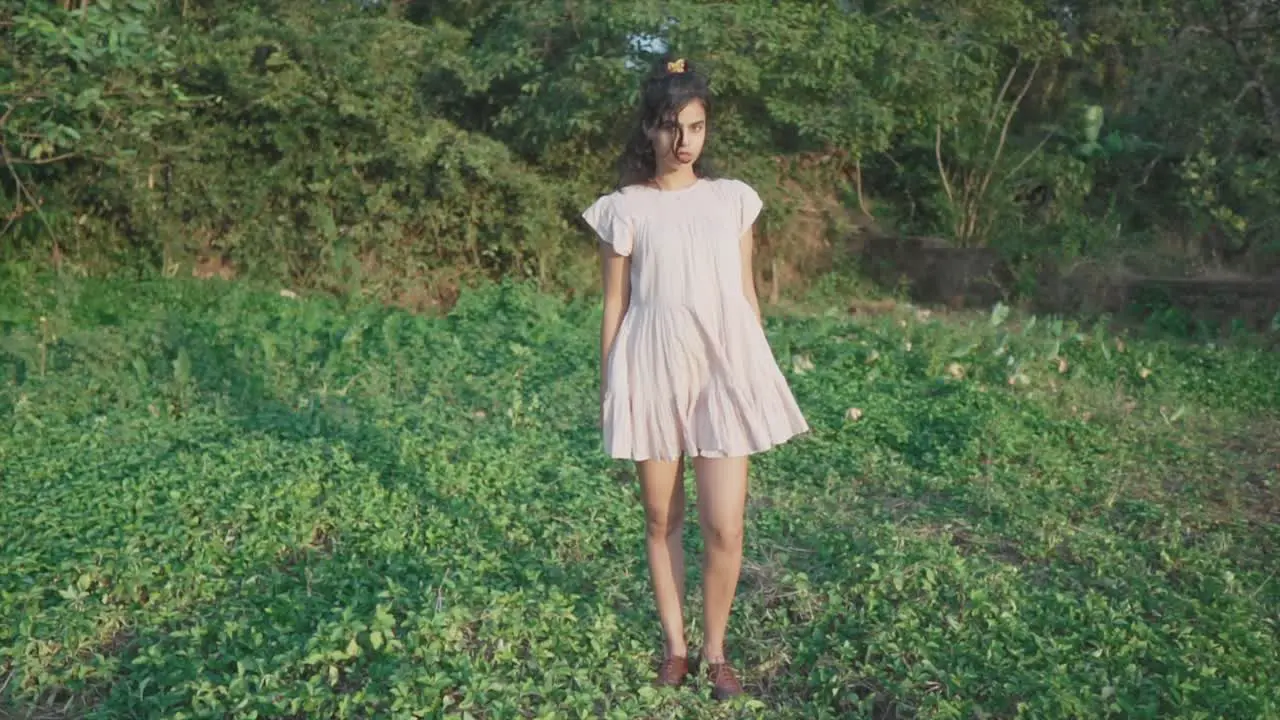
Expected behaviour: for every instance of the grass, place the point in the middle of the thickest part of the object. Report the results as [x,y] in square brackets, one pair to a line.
[221,502]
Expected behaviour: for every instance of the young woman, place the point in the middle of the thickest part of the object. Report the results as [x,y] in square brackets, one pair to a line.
[686,369]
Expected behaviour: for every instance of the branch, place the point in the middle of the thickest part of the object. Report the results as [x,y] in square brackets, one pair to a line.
[1030,155]
[22,190]
[1190,29]
[942,170]
[1251,85]
[1004,132]
[1146,173]
[862,199]
[1270,109]
[995,106]
[43,161]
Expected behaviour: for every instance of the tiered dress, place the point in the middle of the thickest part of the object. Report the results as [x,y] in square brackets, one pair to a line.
[690,371]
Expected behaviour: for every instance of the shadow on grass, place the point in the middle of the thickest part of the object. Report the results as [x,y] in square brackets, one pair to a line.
[337,583]
[825,642]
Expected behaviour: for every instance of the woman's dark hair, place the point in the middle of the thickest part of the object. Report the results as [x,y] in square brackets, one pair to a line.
[665,93]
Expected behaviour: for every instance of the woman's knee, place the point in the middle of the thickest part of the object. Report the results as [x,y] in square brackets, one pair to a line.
[723,535]
[663,523]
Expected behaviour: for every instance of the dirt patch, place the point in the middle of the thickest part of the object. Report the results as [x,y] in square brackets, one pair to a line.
[872,308]
[803,242]
[933,272]
[63,705]
[1238,479]
[213,265]
[1216,299]
[1255,302]
[1255,451]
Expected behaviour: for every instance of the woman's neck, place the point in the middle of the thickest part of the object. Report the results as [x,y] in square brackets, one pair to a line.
[675,178]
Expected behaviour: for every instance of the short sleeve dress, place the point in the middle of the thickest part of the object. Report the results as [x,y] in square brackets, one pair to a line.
[691,371]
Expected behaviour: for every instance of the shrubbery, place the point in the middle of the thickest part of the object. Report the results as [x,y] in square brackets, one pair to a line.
[323,142]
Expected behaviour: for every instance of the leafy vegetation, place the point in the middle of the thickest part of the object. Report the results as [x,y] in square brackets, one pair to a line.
[380,147]
[222,502]
[226,502]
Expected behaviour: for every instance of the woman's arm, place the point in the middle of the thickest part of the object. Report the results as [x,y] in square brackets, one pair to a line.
[616,271]
[747,241]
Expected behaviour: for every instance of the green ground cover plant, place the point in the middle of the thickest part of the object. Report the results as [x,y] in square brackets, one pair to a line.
[221,501]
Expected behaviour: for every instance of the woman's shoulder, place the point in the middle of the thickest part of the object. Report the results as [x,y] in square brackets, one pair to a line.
[617,200]
[732,187]
[740,200]
[637,199]
[620,207]
[729,182]
[607,203]
[735,191]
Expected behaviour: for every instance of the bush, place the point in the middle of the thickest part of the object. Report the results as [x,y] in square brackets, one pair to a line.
[319,142]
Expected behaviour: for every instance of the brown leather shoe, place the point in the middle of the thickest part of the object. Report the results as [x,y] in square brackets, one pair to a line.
[672,672]
[724,682]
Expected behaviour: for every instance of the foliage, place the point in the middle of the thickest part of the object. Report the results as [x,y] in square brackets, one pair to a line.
[324,143]
[88,86]
[233,503]
[338,161]
[1193,122]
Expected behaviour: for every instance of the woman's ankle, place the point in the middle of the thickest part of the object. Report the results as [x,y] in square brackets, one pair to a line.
[712,658]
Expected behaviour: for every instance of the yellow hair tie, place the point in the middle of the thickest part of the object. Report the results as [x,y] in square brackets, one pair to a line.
[676,66]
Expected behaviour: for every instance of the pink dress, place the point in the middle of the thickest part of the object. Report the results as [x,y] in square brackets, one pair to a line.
[691,371]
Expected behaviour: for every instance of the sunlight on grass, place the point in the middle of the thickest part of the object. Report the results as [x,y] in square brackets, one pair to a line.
[226,503]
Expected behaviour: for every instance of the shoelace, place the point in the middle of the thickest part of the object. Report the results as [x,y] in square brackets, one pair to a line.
[722,674]
[667,670]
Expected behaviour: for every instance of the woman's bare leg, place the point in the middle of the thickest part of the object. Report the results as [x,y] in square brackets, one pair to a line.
[662,492]
[722,501]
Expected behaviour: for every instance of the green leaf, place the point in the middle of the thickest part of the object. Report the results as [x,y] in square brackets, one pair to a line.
[999,313]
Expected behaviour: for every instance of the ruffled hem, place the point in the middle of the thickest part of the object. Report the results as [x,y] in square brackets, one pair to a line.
[621,451]
[699,408]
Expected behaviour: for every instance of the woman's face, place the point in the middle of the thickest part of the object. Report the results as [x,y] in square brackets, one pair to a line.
[680,143]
